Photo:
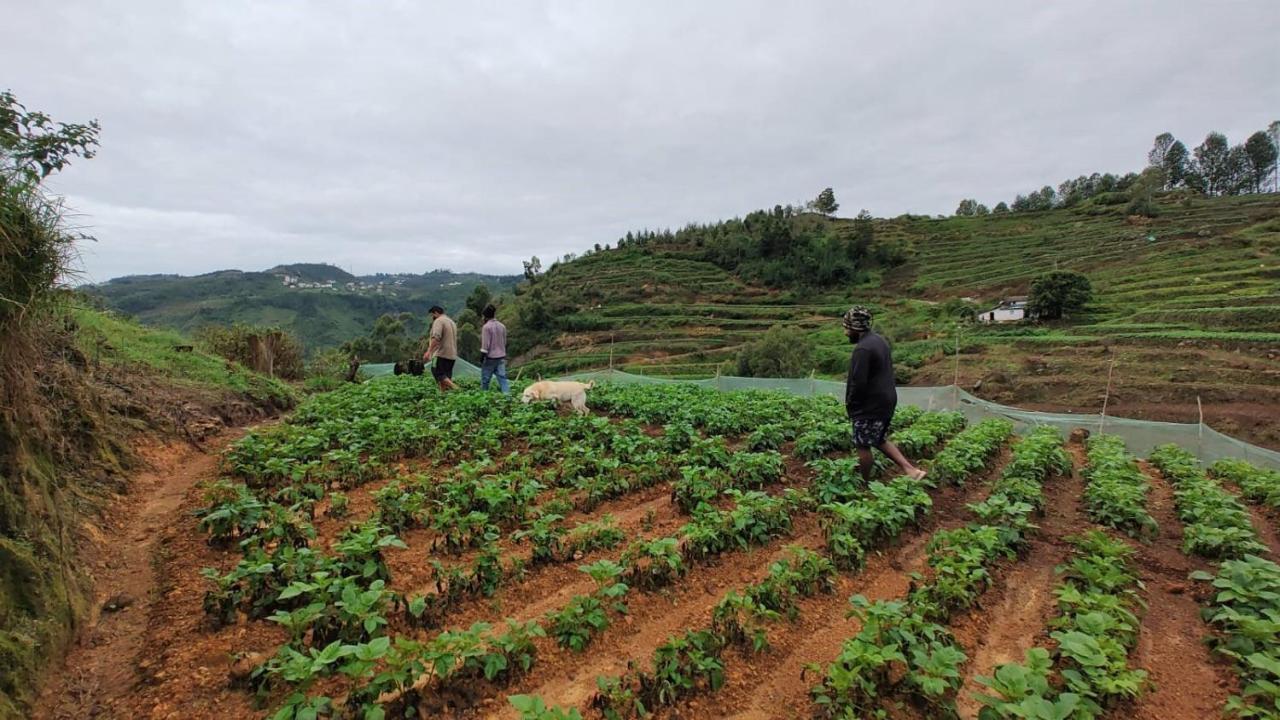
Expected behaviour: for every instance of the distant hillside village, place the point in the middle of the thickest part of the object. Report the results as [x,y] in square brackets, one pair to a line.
[388,286]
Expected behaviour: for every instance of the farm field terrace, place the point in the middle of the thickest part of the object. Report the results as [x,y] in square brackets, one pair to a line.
[391,551]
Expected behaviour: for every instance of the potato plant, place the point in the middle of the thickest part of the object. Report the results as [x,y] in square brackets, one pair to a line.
[682,666]
[741,617]
[897,653]
[532,707]
[1246,612]
[654,563]
[852,528]
[1116,493]
[928,433]
[1258,485]
[574,625]
[970,451]
[1098,624]
[1217,524]
[233,512]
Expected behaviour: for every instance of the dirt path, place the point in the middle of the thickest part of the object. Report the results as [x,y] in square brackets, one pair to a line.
[1188,681]
[1013,615]
[103,667]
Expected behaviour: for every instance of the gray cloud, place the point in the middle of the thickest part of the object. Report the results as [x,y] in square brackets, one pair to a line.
[389,136]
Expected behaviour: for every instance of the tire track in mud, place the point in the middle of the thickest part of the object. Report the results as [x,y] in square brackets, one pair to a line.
[775,683]
[1012,616]
[1187,680]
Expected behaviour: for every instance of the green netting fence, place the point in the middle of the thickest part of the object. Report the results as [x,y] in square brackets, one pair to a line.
[1140,436]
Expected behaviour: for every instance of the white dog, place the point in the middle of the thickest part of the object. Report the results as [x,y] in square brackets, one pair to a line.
[574,393]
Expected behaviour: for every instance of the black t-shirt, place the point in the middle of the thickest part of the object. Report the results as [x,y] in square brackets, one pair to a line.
[869,391]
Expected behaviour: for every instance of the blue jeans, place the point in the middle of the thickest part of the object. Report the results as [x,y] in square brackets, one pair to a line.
[491,367]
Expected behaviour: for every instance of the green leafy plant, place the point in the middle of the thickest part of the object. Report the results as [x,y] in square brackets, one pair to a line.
[1025,690]
[897,652]
[339,505]
[1217,524]
[233,512]
[582,617]
[1246,610]
[1098,625]
[970,451]
[532,707]
[653,563]
[850,528]
[1258,485]
[545,533]
[1117,490]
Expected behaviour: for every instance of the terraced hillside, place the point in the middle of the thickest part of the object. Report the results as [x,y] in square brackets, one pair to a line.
[1187,304]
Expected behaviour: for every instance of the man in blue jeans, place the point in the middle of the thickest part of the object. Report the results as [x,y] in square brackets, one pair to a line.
[493,350]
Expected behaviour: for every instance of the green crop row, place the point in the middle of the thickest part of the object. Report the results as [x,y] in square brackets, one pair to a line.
[928,433]
[1096,628]
[694,661]
[852,528]
[1116,495]
[1246,611]
[902,652]
[1217,524]
[1258,485]
[970,451]
[699,484]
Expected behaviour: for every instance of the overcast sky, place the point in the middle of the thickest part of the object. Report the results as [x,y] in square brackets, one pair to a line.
[406,136]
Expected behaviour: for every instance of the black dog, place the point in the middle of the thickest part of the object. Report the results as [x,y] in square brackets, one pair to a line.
[411,367]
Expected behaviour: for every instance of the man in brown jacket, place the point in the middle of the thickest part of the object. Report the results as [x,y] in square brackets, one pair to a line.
[443,347]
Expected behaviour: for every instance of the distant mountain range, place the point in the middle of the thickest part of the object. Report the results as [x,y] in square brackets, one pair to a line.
[322,304]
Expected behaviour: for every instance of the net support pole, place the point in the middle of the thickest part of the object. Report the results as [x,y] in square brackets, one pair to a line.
[610,352]
[1200,427]
[1102,422]
[813,386]
[955,380]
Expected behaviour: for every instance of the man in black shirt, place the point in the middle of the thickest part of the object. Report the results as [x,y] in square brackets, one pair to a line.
[870,396]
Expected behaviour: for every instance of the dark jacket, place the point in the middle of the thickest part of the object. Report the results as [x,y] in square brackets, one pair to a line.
[869,391]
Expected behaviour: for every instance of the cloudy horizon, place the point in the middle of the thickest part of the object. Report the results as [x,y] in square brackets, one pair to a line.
[404,137]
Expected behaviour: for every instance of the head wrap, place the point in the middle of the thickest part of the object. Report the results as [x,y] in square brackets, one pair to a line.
[858,318]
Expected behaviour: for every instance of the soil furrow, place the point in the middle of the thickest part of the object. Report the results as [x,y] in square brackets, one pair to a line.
[565,678]
[775,684]
[1013,615]
[549,587]
[1187,680]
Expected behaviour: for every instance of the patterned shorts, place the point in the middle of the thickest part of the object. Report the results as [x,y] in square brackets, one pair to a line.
[870,432]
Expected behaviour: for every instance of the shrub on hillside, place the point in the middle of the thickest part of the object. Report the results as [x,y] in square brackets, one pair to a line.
[1059,293]
[391,339]
[780,352]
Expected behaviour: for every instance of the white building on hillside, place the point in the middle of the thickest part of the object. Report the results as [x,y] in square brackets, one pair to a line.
[1011,309]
